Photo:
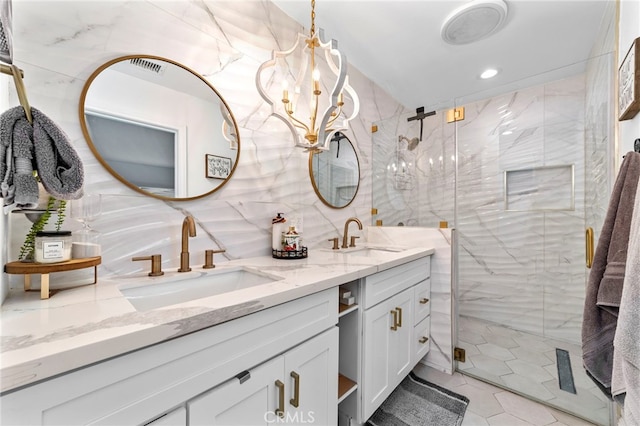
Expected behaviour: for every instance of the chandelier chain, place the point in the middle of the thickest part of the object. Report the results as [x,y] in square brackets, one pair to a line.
[313,18]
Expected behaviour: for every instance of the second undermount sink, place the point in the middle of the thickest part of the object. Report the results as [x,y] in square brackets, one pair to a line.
[367,251]
[158,292]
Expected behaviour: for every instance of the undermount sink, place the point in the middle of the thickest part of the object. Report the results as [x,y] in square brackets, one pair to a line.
[367,251]
[167,290]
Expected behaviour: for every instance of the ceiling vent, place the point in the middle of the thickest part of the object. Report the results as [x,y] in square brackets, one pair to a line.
[474,21]
[148,65]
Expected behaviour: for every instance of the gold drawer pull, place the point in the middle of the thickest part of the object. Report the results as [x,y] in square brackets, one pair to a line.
[394,327]
[400,315]
[424,301]
[295,401]
[280,409]
[423,339]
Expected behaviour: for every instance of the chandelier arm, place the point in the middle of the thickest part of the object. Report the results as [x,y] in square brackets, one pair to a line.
[297,122]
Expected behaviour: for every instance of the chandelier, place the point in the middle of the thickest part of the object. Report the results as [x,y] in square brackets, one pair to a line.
[312,112]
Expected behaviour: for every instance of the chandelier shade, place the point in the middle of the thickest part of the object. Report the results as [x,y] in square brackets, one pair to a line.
[307,87]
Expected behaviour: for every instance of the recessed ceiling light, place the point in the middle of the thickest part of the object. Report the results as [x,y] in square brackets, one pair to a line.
[489,73]
[474,21]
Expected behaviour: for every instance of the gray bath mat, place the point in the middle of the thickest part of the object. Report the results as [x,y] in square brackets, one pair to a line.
[416,402]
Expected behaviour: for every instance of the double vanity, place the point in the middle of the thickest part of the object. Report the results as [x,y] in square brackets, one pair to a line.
[251,341]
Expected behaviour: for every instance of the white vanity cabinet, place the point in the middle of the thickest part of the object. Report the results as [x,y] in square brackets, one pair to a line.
[299,387]
[393,334]
[141,387]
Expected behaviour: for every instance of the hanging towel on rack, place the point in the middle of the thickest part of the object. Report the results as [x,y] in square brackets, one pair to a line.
[625,385]
[49,151]
[6,35]
[19,186]
[604,286]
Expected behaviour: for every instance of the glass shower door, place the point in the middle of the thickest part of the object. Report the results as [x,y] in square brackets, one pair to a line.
[533,173]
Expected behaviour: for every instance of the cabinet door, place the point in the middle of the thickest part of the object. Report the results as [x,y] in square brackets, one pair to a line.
[311,377]
[387,348]
[250,403]
[401,345]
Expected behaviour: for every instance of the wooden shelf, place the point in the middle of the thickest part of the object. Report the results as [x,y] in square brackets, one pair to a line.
[344,309]
[345,387]
[44,269]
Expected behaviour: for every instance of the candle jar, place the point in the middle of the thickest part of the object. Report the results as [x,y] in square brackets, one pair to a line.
[52,246]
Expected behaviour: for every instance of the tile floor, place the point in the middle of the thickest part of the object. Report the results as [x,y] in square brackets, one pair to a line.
[493,406]
[526,363]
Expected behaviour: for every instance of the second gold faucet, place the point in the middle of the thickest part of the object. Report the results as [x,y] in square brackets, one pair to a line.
[188,230]
[345,237]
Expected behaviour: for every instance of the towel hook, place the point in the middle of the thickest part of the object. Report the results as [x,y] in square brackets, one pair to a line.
[22,93]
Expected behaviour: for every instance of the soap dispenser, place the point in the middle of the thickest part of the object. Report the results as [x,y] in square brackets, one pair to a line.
[277,231]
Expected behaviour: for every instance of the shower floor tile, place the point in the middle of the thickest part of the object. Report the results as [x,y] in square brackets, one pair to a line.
[526,364]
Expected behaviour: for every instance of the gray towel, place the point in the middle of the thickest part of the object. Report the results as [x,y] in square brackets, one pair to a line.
[59,166]
[6,35]
[43,146]
[604,287]
[625,385]
[18,185]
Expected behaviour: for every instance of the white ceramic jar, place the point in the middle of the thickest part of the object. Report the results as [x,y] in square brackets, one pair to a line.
[52,246]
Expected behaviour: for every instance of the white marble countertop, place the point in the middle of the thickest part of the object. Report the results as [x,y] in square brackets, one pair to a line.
[84,325]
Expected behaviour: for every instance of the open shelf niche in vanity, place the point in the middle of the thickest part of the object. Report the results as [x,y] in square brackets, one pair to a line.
[348,325]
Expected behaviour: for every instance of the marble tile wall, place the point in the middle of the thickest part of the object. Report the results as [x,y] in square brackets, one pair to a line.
[59,44]
[523,268]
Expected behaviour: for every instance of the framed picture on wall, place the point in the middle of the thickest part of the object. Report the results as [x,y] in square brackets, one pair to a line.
[629,83]
[217,167]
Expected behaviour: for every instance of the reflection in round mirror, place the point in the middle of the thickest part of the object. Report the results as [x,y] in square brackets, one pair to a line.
[335,173]
[159,127]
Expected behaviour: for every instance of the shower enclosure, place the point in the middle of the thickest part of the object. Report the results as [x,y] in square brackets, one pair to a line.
[520,179]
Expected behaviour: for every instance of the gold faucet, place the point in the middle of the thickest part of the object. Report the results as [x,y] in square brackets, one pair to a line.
[345,237]
[188,230]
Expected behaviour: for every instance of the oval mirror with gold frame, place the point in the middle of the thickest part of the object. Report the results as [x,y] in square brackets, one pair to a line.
[335,173]
[159,127]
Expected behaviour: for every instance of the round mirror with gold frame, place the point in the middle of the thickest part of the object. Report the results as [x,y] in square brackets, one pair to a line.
[159,127]
[335,173]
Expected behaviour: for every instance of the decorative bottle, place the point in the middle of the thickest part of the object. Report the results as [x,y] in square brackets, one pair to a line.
[277,231]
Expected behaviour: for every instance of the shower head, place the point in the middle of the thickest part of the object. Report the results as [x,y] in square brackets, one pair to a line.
[411,143]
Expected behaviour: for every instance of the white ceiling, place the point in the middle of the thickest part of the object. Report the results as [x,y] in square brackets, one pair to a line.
[397,44]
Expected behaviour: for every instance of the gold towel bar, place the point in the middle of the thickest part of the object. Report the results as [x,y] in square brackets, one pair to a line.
[17,74]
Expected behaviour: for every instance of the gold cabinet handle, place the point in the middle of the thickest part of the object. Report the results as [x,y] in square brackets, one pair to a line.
[424,301]
[394,327]
[400,317]
[423,339]
[280,409]
[295,401]
[589,246]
